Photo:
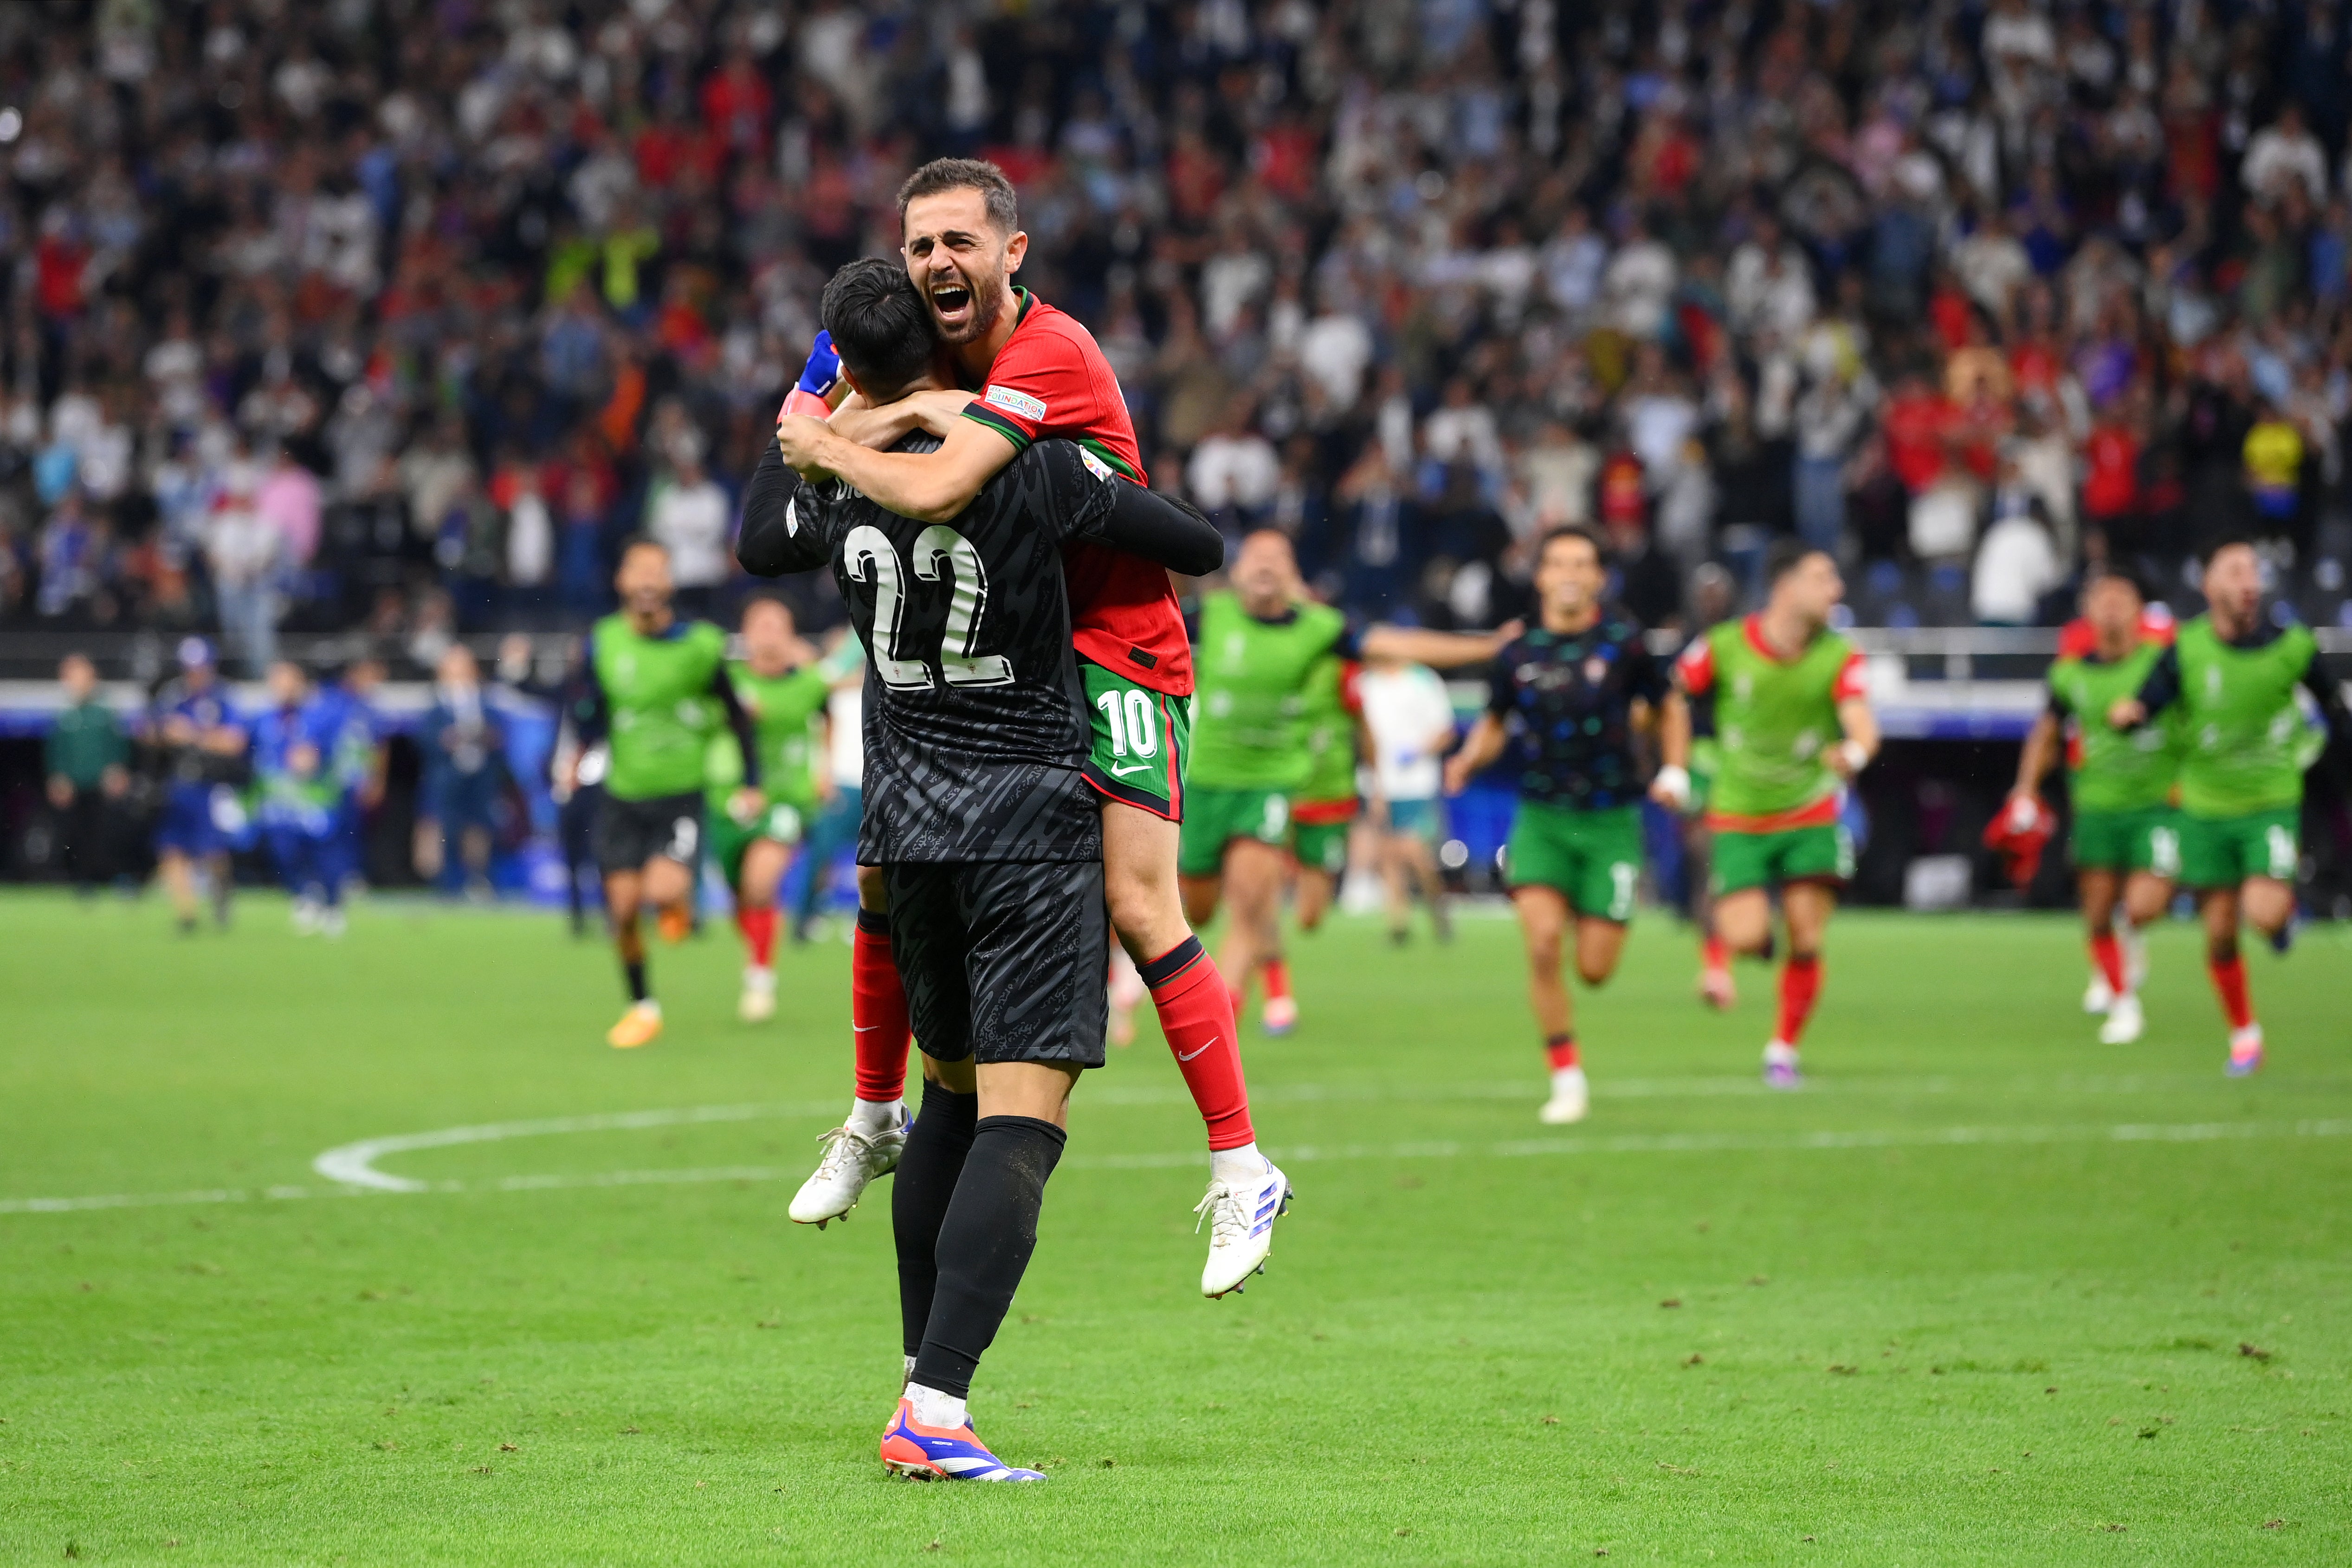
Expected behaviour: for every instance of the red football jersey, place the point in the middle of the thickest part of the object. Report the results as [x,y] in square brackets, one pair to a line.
[1050,379]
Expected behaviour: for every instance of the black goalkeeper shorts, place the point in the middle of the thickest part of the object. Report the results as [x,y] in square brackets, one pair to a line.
[631,833]
[1003,962]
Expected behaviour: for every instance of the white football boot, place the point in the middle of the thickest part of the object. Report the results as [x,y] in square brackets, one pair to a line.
[1569,1098]
[853,1157]
[2125,1022]
[1240,1217]
[757,1002]
[2099,996]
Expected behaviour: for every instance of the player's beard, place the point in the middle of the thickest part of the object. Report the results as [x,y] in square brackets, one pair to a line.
[987,307]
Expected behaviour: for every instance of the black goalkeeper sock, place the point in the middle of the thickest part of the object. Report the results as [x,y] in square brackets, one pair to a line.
[937,1143]
[984,1245]
[633,969]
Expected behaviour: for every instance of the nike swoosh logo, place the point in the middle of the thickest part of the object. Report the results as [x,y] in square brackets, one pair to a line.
[863,1028]
[1182,1057]
[1123,772]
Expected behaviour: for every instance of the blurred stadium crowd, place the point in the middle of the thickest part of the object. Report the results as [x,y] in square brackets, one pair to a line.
[395,315]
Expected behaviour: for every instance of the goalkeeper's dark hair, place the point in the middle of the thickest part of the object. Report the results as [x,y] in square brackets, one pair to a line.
[943,174]
[879,326]
[1785,556]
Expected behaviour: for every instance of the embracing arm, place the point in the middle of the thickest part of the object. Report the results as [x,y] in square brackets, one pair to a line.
[773,540]
[929,486]
[1163,531]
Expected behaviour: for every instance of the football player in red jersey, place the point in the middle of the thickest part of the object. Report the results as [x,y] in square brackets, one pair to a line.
[1036,373]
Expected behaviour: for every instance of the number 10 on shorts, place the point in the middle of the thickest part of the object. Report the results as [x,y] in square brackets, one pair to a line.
[1133,720]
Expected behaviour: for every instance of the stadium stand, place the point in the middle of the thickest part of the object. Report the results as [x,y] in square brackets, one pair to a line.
[360,326]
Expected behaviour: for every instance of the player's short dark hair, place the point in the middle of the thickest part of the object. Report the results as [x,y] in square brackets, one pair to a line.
[2111,572]
[943,175]
[1571,531]
[772,601]
[878,323]
[639,542]
[2222,541]
[1785,556]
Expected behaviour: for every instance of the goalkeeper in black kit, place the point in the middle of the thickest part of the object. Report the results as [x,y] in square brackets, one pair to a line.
[976,732]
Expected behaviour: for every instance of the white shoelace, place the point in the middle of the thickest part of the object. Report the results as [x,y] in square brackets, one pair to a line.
[1222,1204]
[838,1141]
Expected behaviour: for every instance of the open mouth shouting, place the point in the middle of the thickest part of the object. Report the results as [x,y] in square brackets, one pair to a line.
[951,302]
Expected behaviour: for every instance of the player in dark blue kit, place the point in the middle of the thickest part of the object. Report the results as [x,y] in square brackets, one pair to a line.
[294,741]
[358,761]
[203,744]
[1572,693]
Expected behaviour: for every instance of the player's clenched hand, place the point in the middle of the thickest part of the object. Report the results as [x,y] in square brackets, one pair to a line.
[1457,773]
[2024,811]
[1672,788]
[744,806]
[798,438]
[2128,713]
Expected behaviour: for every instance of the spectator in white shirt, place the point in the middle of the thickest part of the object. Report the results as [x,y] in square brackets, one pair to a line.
[2016,565]
[2283,151]
[1412,723]
[689,515]
[1233,468]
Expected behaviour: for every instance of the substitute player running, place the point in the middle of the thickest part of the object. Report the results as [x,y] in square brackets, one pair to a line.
[1793,724]
[980,814]
[1573,691]
[2127,836]
[654,677]
[1261,645]
[2229,684]
[1037,374]
[785,689]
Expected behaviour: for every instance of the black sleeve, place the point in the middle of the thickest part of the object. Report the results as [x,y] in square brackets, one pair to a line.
[738,719]
[1350,644]
[2162,687]
[1502,695]
[2329,695]
[591,712]
[775,537]
[1084,501]
[2058,709]
[1648,676]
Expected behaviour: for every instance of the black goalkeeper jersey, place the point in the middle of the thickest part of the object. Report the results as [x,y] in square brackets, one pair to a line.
[976,724]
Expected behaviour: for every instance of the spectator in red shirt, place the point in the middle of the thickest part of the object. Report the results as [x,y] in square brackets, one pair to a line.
[2111,485]
[736,103]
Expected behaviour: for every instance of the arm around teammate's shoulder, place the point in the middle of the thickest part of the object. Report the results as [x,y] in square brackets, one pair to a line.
[774,537]
[2159,692]
[1162,530]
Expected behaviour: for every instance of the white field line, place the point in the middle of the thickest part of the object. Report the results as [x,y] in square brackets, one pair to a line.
[1627,1144]
[355,1164]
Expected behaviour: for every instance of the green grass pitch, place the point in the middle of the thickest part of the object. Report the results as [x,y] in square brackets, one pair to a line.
[1987,1292]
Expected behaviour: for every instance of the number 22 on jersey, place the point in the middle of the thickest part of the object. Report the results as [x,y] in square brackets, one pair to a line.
[871,557]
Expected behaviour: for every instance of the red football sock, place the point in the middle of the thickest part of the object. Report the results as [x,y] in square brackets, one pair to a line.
[2229,985]
[878,1011]
[759,928]
[1714,954]
[1278,979]
[1560,1051]
[1196,1014]
[1800,982]
[2108,955]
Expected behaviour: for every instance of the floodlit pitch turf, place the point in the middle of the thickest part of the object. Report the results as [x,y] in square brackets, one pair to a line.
[1986,1292]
